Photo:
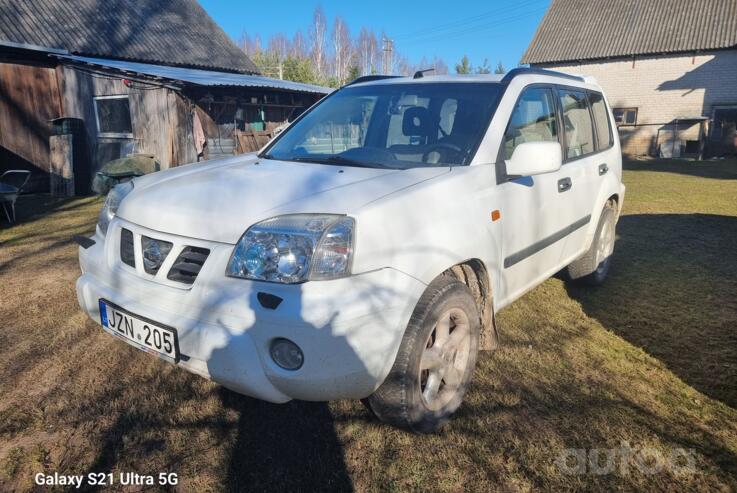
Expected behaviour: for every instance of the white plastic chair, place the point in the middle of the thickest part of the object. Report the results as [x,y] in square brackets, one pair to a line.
[11,185]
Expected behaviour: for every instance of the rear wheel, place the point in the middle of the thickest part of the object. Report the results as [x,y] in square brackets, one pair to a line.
[435,362]
[593,267]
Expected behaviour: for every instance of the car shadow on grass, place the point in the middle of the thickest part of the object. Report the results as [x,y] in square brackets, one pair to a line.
[292,446]
[284,447]
[672,290]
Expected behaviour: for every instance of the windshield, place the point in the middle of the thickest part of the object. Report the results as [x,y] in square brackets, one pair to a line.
[396,126]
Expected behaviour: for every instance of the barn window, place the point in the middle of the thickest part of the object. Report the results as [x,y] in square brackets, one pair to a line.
[625,116]
[113,116]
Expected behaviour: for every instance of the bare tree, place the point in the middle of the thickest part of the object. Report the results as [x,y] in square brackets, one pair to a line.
[441,68]
[299,46]
[342,49]
[332,57]
[367,51]
[244,40]
[279,46]
[250,46]
[255,46]
[317,39]
[403,66]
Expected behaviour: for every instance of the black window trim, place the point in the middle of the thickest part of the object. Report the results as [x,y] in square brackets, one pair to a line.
[501,166]
[593,120]
[564,149]
[596,150]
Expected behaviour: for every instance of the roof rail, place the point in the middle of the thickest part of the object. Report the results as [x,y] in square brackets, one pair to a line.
[369,78]
[537,71]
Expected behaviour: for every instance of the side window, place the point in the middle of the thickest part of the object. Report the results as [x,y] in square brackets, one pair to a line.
[601,120]
[577,123]
[533,120]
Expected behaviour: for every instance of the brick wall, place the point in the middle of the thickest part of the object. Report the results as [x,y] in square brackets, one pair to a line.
[663,88]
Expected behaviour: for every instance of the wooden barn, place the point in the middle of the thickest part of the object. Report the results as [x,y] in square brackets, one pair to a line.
[83,83]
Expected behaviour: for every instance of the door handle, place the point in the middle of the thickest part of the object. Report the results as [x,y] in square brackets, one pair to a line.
[603,168]
[564,184]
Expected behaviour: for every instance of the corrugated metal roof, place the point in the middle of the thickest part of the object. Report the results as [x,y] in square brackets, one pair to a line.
[589,29]
[198,77]
[171,32]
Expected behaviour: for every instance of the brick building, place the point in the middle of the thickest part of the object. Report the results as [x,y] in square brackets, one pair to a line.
[669,68]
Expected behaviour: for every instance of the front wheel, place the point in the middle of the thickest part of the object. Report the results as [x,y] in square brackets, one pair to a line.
[435,362]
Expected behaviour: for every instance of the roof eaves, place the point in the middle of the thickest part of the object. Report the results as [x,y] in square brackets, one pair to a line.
[549,61]
[32,47]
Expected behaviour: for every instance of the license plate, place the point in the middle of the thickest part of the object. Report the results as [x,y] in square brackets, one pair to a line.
[139,332]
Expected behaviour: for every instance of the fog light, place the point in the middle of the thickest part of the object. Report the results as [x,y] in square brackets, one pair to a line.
[287,354]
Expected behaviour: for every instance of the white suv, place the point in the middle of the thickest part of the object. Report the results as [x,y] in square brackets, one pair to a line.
[364,251]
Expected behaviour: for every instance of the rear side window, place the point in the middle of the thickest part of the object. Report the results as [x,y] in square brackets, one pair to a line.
[601,120]
[533,120]
[577,123]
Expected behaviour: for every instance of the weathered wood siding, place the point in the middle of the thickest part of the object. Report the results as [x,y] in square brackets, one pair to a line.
[29,98]
[159,117]
[31,94]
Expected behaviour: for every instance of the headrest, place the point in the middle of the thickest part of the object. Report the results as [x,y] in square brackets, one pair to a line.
[416,121]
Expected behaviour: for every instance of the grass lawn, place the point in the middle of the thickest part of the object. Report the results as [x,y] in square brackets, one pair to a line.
[645,366]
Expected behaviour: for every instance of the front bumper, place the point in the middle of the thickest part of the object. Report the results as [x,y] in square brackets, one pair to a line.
[348,329]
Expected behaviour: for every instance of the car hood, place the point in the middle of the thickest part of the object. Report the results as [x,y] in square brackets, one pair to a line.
[219,200]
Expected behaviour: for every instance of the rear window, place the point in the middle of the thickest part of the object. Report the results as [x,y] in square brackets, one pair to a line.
[579,129]
[601,120]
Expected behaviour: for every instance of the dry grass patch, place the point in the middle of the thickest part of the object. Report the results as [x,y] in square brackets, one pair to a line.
[649,361]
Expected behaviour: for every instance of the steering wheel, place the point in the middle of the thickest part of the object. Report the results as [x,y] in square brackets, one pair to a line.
[441,145]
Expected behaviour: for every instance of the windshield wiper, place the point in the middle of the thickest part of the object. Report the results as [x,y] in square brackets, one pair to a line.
[334,159]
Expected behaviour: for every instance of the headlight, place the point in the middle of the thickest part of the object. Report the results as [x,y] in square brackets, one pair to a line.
[295,248]
[112,202]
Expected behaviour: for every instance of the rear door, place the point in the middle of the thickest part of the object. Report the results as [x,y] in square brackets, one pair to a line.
[580,170]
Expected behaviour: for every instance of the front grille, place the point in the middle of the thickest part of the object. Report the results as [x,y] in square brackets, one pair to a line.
[126,248]
[188,264]
[184,269]
[154,253]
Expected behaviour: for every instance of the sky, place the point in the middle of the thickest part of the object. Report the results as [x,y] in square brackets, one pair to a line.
[497,30]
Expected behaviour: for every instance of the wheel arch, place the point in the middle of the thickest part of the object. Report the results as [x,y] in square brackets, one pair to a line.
[474,274]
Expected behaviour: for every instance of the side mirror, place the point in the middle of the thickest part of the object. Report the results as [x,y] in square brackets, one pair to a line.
[535,158]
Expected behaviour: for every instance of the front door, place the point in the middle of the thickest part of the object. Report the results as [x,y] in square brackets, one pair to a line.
[536,211]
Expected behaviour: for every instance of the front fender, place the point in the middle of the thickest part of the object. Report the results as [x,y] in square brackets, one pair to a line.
[425,230]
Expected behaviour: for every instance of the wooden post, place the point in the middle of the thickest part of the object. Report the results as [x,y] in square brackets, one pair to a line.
[62,165]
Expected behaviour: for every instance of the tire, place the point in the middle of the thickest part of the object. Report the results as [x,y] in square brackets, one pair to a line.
[593,268]
[418,399]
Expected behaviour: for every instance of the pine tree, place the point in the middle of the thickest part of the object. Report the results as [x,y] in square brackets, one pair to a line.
[464,67]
